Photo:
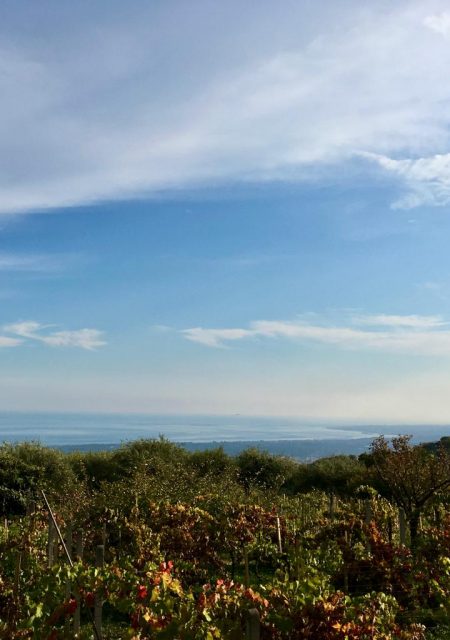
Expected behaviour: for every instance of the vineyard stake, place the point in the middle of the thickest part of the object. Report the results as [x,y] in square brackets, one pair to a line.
[246,569]
[297,557]
[368,509]
[368,520]
[69,538]
[253,625]
[67,621]
[233,564]
[17,571]
[51,541]
[58,531]
[402,525]
[61,539]
[31,508]
[437,517]
[69,543]
[389,525]
[99,562]
[78,540]
[280,546]
[331,506]
[347,542]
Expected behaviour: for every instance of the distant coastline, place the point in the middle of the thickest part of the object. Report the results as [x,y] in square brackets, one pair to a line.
[295,437]
[302,450]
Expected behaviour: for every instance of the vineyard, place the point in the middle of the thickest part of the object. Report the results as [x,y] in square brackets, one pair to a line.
[152,542]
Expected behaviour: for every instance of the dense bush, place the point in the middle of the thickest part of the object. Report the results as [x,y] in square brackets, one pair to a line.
[340,475]
[26,468]
[258,468]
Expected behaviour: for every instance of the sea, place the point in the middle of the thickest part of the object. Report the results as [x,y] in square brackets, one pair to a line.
[295,437]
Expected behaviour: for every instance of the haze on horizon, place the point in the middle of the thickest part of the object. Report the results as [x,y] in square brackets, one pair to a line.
[208,208]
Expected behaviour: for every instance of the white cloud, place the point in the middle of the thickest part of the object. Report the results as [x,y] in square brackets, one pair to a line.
[413,321]
[36,263]
[82,338]
[439,23]
[110,105]
[216,337]
[427,179]
[413,335]
[25,329]
[6,341]
[439,290]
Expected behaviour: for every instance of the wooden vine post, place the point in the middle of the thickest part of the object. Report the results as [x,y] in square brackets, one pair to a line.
[368,519]
[280,544]
[390,529]
[17,571]
[98,605]
[78,544]
[97,635]
[52,541]
[253,625]
[402,525]
[69,546]
[246,569]
[331,506]
[347,543]
[368,511]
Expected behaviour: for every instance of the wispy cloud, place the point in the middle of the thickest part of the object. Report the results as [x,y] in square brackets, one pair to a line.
[427,179]
[218,337]
[6,341]
[439,290]
[33,263]
[89,339]
[411,334]
[412,322]
[439,23]
[106,107]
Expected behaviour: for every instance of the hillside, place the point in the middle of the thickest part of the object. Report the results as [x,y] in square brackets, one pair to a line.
[180,545]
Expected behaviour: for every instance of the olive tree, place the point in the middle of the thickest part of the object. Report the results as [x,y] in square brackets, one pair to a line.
[412,475]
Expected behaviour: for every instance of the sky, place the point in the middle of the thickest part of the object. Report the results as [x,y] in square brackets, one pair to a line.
[214,208]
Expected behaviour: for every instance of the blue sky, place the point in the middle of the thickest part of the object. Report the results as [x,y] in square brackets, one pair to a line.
[209,209]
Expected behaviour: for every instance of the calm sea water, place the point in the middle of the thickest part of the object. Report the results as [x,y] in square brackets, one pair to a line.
[83,428]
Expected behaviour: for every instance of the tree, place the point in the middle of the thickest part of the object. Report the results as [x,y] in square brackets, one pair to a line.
[263,470]
[339,475]
[412,475]
[211,462]
[27,467]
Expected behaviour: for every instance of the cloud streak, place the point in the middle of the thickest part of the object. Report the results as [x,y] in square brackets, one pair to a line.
[439,23]
[6,341]
[89,339]
[411,335]
[427,179]
[33,263]
[106,107]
